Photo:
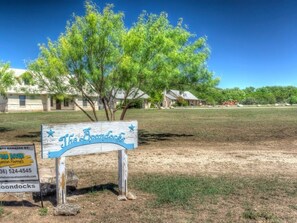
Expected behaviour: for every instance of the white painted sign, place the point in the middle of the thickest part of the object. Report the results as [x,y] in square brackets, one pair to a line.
[18,169]
[87,138]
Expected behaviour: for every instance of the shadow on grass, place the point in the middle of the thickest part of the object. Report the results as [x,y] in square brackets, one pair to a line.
[50,194]
[4,129]
[18,203]
[30,135]
[146,137]
[96,188]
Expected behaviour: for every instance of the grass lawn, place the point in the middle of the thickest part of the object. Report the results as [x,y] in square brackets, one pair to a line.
[187,196]
[216,197]
[207,125]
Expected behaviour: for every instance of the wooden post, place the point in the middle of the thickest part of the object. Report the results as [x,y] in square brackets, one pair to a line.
[75,108]
[48,102]
[61,180]
[123,172]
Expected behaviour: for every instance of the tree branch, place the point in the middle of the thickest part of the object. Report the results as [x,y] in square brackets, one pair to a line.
[90,117]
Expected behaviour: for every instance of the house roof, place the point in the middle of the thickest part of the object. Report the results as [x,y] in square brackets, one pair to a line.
[133,94]
[17,72]
[184,94]
[21,87]
[170,97]
[189,96]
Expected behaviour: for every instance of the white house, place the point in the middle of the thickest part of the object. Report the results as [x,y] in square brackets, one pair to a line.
[18,99]
[134,94]
[171,97]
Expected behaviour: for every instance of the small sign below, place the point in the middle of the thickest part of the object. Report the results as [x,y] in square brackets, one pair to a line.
[19,186]
[18,169]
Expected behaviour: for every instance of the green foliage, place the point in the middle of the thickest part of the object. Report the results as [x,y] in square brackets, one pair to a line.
[181,102]
[249,101]
[98,55]
[212,95]
[233,94]
[43,211]
[265,96]
[6,78]
[250,95]
[156,99]
[292,99]
[271,95]
[27,78]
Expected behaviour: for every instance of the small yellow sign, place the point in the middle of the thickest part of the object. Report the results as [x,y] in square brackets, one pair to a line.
[14,160]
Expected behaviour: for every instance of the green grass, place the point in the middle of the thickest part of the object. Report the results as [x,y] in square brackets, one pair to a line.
[43,211]
[180,189]
[202,195]
[184,190]
[203,125]
[252,214]
[211,125]
[293,207]
[1,211]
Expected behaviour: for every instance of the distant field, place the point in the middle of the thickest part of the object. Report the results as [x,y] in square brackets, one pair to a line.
[192,165]
[206,125]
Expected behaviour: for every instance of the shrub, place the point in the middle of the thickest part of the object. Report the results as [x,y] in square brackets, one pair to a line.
[292,99]
[181,102]
[249,101]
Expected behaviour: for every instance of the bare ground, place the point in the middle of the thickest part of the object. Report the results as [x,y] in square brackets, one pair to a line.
[262,159]
[266,158]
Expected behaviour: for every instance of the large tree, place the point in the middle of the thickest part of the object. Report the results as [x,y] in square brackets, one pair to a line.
[98,55]
[6,78]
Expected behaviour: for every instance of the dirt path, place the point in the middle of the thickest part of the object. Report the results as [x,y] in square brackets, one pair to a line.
[268,158]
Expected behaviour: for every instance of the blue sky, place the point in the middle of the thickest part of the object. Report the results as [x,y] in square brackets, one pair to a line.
[253,42]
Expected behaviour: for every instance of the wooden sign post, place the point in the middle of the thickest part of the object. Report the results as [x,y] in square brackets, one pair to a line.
[61,179]
[59,141]
[123,172]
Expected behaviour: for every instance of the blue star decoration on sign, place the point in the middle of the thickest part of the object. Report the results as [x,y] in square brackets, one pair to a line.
[50,133]
[132,128]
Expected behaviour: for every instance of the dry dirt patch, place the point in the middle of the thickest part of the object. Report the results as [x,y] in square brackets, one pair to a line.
[267,159]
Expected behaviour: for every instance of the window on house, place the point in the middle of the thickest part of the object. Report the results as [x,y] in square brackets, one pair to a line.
[66,102]
[52,101]
[22,99]
[85,102]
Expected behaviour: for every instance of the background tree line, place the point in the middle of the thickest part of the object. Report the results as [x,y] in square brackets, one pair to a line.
[249,95]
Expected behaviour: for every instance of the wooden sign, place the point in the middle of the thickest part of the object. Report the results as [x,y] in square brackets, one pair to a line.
[86,138]
[18,169]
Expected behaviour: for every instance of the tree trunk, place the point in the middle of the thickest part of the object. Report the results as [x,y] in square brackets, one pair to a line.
[123,114]
[105,109]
